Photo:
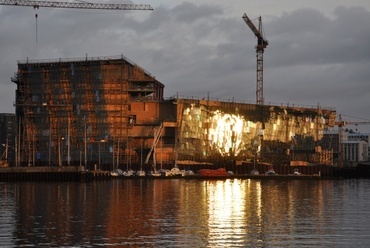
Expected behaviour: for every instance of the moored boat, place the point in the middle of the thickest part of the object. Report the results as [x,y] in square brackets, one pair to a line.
[165,173]
[114,173]
[175,171]
[155,173]
[212,172]
[296,172]
[128,173]
[271,172]
[140,173]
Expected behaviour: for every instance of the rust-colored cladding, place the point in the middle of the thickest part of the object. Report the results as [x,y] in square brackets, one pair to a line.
[59,103]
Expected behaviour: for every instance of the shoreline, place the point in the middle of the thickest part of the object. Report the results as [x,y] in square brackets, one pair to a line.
[79,174]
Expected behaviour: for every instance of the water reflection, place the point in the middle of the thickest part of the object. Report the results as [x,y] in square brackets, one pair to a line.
[7,215]
[226,211]
[186,213]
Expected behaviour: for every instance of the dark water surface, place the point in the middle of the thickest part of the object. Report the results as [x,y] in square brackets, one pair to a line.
[186,213]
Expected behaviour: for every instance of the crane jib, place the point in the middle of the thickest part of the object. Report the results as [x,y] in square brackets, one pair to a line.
[84,5]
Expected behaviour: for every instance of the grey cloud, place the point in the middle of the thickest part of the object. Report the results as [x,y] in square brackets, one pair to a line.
[189,13]
[306,36]
[199,48]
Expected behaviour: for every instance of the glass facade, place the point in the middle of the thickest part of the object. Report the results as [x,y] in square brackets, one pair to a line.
[224,131]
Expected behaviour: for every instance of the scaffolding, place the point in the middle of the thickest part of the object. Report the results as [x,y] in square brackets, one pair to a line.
[74,112]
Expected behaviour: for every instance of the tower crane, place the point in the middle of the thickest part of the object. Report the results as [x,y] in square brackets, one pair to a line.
[75,5]
[262,43]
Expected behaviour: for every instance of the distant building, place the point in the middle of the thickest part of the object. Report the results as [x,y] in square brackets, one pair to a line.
[110,112]
[8,128]
[361,137]
[355,151]
[355,146]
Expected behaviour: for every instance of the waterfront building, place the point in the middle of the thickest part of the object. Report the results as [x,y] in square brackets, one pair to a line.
[106,113]
[352,143]
[361,137]
[355,152]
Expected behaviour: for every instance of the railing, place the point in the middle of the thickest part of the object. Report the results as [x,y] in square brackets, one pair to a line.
[233,100]
[81,59]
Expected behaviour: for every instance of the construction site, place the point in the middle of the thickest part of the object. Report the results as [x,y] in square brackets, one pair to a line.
[107,113]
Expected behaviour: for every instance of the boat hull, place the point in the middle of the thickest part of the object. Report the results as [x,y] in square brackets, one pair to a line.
[212,172]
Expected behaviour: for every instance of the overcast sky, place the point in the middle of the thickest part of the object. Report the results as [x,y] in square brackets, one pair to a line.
[319,51]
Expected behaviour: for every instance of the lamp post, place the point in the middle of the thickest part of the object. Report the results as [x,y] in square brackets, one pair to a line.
[85,146]
[293,145]
[99,155]
[118,153]
[141,155]
[99,162]
[60,143]
[255,150]
[69,142]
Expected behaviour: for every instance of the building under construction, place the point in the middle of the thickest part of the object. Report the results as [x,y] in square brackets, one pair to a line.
[109,113]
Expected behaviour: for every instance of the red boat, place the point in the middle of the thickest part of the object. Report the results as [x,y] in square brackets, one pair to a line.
[212,172]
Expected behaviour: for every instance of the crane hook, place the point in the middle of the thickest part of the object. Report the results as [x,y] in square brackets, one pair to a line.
[36,7]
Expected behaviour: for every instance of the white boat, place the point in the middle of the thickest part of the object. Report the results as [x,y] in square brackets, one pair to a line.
[189,173]
[296,172]
[128,173]
[140,173]
[166,173]
[119,171]
[175,171]
[114,174]
[156,173]
[271,172]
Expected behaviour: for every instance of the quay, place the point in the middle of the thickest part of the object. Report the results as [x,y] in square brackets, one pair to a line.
[79,174]
[51,173]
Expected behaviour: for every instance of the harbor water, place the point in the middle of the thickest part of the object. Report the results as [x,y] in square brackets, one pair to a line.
[186,213]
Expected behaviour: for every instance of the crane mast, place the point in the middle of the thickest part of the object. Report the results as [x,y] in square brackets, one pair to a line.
[261,45]
[75,5]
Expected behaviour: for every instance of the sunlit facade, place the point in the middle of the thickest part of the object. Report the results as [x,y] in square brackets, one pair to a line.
[213,130]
